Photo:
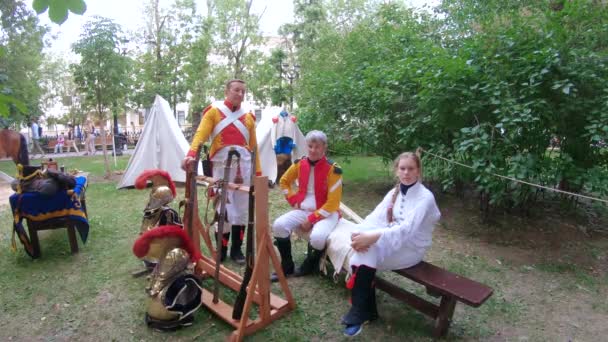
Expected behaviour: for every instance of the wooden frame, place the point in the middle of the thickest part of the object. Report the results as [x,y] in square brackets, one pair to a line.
[271,307]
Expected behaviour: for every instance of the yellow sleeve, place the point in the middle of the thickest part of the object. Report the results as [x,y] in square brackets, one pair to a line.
[288,179]
[253,144]
[204,130]
[334,194]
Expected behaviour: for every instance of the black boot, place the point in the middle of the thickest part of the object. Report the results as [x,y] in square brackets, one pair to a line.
[284,246]
[238,233]
[311,263]
[363,297]
[224,250]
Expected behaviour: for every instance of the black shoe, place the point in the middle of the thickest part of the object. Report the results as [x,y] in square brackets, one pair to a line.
[237,257]
[274,277]
[284,246]
[238,234]
[310,265]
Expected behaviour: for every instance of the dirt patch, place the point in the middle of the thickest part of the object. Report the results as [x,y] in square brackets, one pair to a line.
[523,241]
[5,192]
[549,273]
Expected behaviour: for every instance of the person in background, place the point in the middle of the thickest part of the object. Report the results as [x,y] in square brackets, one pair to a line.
[36,138]
[60,143]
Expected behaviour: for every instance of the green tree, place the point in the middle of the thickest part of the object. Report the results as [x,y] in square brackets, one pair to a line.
[235,34]
[170,35]
[487,83]
[21,43]
[102,74]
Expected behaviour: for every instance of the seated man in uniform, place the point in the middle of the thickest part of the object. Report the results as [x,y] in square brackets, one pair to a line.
[315,201]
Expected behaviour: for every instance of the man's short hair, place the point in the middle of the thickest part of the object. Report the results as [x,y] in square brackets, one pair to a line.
[234,80]
[316,136]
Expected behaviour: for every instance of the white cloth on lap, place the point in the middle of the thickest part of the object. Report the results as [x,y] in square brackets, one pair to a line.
[338,249]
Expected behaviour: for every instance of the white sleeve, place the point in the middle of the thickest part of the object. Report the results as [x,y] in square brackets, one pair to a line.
[426,214]
[378,218]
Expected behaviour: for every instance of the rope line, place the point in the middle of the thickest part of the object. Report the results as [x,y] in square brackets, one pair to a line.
[518,180]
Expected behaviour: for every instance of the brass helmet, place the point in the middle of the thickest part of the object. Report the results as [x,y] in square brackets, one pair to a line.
[159,196]
[163,191]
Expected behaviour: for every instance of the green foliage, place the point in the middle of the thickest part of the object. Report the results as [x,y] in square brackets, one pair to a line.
[489,84]
[21,43]
[174,55]
[234,30]
[103,72]
[58,9]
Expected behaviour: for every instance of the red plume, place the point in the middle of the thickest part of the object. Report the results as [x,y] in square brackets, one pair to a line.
[142,244]
[142,180]
[293,118]
[275,119]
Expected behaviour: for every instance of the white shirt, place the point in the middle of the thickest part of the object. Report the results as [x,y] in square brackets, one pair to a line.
[414,218]
[35,131]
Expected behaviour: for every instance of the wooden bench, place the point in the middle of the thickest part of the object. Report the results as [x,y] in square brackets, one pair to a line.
[451,287]
[99,142]
[67,146]
[50,146]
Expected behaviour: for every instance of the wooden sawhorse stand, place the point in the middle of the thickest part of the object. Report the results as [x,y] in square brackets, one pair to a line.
[271,307]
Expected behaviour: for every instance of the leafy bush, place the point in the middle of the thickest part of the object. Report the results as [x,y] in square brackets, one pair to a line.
[488,83]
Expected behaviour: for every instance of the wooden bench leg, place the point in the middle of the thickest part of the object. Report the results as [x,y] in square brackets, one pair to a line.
[444,317]
[34,240]
[72,239]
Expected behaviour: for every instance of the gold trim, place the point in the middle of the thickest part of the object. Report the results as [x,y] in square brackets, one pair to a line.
[56,214]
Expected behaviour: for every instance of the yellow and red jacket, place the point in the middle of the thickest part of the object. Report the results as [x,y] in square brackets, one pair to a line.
[228,136]
[327,186]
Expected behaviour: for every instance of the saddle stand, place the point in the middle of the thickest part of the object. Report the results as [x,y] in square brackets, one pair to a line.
[270,306]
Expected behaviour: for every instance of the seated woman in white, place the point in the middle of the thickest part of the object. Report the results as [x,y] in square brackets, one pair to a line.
[395,235]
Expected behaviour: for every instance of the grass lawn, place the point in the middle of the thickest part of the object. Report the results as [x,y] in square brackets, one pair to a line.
[550,278]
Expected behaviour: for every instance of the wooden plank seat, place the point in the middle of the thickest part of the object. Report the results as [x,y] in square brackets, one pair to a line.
[99,142]
[451,287]
[50,146]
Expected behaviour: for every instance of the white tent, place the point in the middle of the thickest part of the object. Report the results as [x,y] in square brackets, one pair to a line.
[266,140]
[161,145]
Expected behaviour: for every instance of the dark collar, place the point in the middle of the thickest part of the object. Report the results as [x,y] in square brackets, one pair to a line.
[316,161]
[404,188]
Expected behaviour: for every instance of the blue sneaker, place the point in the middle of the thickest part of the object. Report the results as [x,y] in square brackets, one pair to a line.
[353,330]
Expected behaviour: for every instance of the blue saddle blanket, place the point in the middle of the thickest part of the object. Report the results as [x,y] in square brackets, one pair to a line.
[37,207]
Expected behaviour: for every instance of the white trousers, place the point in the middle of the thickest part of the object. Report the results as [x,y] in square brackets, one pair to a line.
[291,221]
[237,205]
[405,257]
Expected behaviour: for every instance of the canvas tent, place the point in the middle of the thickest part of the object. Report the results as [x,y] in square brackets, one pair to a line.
[161,146]
[266,141]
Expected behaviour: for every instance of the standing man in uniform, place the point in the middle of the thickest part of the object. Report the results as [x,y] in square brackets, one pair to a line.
[227,126]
